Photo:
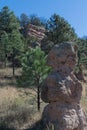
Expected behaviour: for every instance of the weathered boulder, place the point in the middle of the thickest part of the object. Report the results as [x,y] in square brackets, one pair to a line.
[64,116]
[62,90]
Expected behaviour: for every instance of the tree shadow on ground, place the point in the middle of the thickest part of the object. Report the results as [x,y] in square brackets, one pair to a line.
[37,126]
[5,128]
[7,81]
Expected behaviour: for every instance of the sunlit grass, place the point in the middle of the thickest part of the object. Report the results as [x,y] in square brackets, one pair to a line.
[18,107]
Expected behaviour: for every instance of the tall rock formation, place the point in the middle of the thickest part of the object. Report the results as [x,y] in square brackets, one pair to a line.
[62,91]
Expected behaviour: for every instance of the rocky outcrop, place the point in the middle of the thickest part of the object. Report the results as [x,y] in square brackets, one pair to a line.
[62,90]
[35,31]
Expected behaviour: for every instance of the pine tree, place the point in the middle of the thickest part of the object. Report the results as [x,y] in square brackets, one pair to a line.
[82,51]
[82,58]
[59,30]
[34,69]
[8,21]
[10,37]
[4,47]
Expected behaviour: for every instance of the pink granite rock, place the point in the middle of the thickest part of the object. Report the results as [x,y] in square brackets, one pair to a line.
[62,90]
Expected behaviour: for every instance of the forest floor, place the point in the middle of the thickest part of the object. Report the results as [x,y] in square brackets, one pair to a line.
[18,108]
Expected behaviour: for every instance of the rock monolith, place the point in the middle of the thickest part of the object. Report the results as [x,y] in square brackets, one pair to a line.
[62,91]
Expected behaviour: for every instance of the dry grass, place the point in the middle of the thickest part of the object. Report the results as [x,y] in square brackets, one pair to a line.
[18,108]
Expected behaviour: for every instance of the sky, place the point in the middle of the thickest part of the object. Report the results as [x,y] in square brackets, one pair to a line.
[74,11]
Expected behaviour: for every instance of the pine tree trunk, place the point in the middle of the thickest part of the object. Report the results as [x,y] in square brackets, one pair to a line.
[5,62]
[38,95]
[13,63]
[5,59]
[38,99]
